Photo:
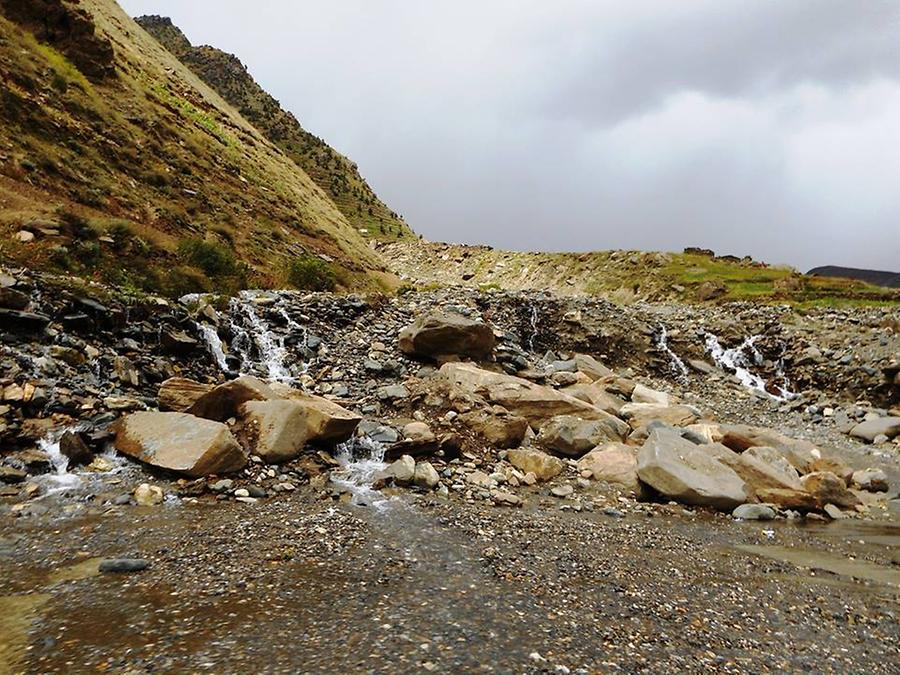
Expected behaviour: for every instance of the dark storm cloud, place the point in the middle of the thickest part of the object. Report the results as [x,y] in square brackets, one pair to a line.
[762,127]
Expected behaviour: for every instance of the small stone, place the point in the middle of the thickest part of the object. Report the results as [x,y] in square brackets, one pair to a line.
[223,485]
[562,491]
[148,495]
[119,565]
[834,512]
[754,512]
[241,492]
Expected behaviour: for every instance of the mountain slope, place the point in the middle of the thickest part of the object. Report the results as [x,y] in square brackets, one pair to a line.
[335,174]
[875,277]
[128,167]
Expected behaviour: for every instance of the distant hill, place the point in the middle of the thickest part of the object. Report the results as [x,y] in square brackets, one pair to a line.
[338,177]
[119,163]
[874,277]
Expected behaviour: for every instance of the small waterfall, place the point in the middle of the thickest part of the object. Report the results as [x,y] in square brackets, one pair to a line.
[675,363]
[736,360]
[534,327]
[361,459]
[61,479]
[214,345]
[255,331]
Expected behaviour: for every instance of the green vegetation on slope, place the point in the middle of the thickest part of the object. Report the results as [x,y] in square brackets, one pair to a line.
[336,175]
[143,144]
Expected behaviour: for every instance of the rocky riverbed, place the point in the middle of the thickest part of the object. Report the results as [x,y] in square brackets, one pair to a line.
[447,480]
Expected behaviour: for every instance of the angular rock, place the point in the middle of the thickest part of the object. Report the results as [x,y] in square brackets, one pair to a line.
[178,394]
[23,322]
[642,394]
[740,437]
[591,367]
[426,476]
[440,334]
[277,430]
[177,342]
[686,473]
[327,421]
[829,489]
[403,470]
[597,396]
[796,500]
[528,460]
[534,402]
[10,298]
[642,414]
[753,471]
[72,445]
[573,436]
[225,400]
[179,442]
[870,480]
[498,430]
[613,463]
[872,429]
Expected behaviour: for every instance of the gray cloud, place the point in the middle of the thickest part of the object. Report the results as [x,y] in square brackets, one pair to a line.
[758,127]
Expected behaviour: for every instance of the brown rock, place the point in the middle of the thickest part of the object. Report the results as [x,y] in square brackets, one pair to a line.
[613,463]
[829,489]
[754,472]
[498,430]
[224,401]
[831,465]
[740,437]
[591,367]
[327,421]
[72,445]
[573,436]
[178,394]
[439,334]
[276,430]
[797,500]
[179,442]
[528,460]
[642,414]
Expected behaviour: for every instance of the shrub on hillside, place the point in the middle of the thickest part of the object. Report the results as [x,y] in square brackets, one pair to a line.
[310,273]
[215,259]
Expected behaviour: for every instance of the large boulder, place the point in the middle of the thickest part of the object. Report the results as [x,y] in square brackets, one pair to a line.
[687,473]
[612,463]
[755,472]
[225,400]
[591,367]
[741,437]
[444,334]
[597,396]
[872,429]
[499,430]
[573,436]
[276,430]
[642,394]
[534,402]
[529,460]
[178,394]
[829,489]
[642,414]
[179,442]
[327,422]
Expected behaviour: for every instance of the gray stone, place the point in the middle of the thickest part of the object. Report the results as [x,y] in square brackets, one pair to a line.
[881,426]
[120,565]
[754,512]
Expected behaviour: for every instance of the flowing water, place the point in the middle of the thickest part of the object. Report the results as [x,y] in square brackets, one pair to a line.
[214,345]
[741,361]
[360,459]
[62,478]
[533,319]
[675,363]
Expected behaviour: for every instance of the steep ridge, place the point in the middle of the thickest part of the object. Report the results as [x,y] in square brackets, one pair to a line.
[134,171]
[338,177]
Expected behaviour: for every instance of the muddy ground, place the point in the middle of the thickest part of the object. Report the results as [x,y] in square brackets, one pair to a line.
[302,583]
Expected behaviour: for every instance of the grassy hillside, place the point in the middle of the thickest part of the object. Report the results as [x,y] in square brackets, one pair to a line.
[627,276]
[135,171]
[338,177]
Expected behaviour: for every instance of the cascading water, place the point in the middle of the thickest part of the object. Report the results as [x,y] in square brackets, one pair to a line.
[249,330]
[736,360]
[534,327]
[360,459]
[62,478]
[675,363]
[213,344]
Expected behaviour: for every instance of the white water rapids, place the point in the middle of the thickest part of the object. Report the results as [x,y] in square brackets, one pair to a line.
[741,360]
[677,365]
[61,478]
[360,459]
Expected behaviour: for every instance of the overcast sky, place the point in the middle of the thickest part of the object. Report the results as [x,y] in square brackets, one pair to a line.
[761,127]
